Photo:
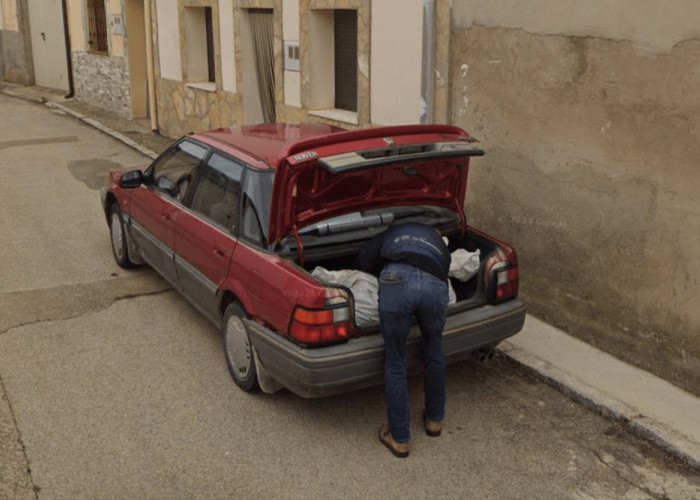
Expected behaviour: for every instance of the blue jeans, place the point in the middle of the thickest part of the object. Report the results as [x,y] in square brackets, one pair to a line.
[406,291]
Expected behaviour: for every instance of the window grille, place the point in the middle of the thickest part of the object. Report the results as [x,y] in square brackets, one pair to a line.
[97,26]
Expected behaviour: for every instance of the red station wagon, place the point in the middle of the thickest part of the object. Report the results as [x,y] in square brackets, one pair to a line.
[236,220]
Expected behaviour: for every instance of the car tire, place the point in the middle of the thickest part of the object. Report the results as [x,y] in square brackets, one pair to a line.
[238,349]
[117,235]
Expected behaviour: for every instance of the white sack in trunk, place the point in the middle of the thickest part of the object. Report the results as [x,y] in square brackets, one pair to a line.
[365,290]
[464,264]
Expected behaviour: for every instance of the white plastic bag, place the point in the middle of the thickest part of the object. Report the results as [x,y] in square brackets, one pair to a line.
[464,264]
[364,288]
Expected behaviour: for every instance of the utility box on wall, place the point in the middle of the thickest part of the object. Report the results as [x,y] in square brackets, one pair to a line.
[291,56]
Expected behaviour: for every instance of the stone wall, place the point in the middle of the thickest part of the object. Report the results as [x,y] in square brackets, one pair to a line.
[102,81]
[592,145]
[183,109]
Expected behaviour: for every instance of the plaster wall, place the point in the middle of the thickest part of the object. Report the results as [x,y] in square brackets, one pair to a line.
[228,53]
[396,61]
[13,58]
[649,25]
[2,55]
[15,49]
[8,17]
[116,41]
[290,32]
[168,29]
[76,26]
[196,46]
[321,60]
[290,20]
[590,118]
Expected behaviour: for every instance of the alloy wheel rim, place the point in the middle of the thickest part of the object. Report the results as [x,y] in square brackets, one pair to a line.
[117,236]
[238,346]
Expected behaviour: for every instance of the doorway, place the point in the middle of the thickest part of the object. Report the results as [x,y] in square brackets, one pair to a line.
[258,65]
[138,70]
[48,38]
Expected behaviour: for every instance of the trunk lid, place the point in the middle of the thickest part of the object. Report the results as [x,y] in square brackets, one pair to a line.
[372,168]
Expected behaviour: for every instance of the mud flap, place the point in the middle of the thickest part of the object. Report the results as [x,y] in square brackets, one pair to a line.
[267,384]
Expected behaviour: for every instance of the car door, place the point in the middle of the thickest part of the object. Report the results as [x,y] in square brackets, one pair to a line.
[205,235]
[157,204]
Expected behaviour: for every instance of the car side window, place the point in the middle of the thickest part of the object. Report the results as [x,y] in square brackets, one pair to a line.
[172,173]
[217,195]
[256,203]
[251,225]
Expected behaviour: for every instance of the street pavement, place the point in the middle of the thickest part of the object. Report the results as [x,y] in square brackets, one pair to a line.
[112,386]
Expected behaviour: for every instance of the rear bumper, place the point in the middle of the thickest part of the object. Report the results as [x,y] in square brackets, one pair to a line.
[323,371]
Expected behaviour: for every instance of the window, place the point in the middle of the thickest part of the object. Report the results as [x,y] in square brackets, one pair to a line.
[345,35]
[218,192]
[97,26]
[173,172]
[262,30]
[199,45]
[333,52]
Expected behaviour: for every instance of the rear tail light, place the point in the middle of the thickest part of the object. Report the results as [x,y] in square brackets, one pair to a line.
[503,277]
[507,283]
[320,326]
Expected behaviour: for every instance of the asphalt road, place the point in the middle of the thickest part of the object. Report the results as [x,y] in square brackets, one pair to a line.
[113,387]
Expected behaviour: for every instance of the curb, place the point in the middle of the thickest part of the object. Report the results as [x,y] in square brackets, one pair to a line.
[7,90]
[667,427]
[102,128]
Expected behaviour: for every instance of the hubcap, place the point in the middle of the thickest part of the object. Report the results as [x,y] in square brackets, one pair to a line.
[117,236]
[238,346]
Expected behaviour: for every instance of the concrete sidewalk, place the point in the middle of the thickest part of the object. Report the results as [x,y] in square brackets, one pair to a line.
[661,412]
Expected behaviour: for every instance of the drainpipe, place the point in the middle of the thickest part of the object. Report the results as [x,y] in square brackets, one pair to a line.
[69,58]
[152,109]
[428,68]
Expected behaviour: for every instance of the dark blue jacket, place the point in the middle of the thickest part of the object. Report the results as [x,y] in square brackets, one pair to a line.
[412,243]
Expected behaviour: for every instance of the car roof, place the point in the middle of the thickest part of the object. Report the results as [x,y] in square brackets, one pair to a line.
[263,142]
[269,145]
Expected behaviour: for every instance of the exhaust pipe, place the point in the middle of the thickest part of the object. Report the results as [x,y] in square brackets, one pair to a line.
[484,354]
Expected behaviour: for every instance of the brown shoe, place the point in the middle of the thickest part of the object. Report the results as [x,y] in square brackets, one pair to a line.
[400,450]
[432,428]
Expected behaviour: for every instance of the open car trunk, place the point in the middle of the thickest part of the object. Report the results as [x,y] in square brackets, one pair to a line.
[331,196]
[465,290]
[333,246]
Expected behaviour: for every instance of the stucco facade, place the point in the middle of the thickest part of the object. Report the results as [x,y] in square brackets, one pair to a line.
[590,117]
[388,80]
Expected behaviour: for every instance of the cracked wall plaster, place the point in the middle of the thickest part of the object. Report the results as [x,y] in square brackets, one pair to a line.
[651,25]
[591,172]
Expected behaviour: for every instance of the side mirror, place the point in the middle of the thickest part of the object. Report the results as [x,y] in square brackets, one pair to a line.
[131,179]
[167,186]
